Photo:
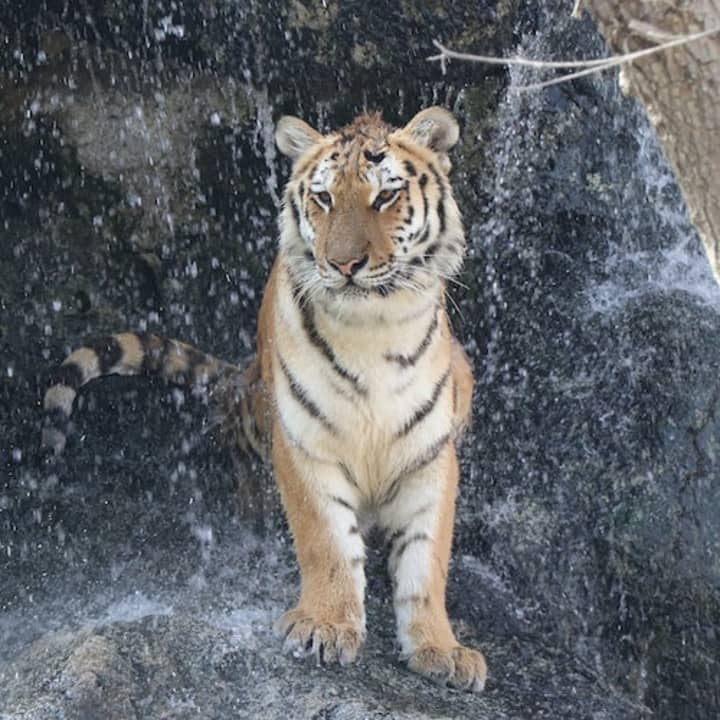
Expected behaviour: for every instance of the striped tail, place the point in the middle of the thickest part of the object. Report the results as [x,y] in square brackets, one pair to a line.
[132,353]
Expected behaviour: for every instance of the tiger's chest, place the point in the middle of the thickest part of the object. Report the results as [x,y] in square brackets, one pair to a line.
[362,397]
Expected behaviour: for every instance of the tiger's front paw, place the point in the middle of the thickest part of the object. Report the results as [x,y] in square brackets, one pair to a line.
[461,667]
[330,642]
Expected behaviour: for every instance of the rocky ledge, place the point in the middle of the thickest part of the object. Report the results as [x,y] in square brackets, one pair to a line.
[139,188]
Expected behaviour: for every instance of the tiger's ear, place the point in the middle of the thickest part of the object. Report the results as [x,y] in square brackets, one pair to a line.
[434,128]
[294,136]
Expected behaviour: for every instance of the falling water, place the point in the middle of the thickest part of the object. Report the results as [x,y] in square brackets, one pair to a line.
[139,187]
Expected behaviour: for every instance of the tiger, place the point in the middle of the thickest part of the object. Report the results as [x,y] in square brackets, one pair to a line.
[358,394]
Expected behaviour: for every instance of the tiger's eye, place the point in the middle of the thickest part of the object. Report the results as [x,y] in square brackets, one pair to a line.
[324,198]
[385,196]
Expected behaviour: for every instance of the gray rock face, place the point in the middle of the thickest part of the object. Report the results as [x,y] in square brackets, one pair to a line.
[139,188]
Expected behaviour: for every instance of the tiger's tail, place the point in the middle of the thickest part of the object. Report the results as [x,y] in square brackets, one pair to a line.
[131,353]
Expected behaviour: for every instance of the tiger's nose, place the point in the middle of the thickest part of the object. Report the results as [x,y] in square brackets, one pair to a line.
[350,267]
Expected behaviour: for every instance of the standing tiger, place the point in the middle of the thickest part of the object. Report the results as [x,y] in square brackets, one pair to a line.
[359,389]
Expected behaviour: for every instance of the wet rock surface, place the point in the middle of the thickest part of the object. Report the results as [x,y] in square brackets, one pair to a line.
[214,655]
[139,188]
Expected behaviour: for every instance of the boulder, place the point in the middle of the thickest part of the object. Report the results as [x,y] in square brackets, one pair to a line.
[139,188]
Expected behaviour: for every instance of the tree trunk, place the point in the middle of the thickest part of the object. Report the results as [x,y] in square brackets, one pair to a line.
[681,92]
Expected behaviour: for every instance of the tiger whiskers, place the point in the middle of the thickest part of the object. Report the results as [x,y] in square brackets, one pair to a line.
[307,286]
[447,277]
[444,278]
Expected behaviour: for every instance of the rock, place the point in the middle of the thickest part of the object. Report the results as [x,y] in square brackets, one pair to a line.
[138,134]
[144,579]
[178,665]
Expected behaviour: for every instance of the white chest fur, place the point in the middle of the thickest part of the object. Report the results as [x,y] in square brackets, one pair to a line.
[365,391]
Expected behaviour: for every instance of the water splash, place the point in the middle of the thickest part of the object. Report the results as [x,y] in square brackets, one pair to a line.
[680,263]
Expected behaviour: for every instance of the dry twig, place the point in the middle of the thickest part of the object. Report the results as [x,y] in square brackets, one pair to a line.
[588,66]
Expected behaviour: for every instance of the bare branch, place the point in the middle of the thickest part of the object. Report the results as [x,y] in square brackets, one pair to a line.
[589,66]
[447,54]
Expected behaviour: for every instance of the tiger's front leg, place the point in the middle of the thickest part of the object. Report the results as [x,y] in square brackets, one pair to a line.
[418,518]
[329,620]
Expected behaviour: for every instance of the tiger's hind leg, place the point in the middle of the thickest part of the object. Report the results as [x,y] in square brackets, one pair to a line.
[419,522]
[239,419]
[329,620]
[240,409]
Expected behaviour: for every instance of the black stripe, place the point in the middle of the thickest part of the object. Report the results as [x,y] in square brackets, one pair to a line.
[300,394]
[154,349]
[417,537]
[109,353]
[431,251]
[427,457]
[395,537]
[195,357]
[69,374]
[205,368]
[410,168]
[385,289]
[441,201]
[295,212]
[308,321]
[295,442]
[424,234]
[416,465]
[343,502]
[393,490]
[409,360]
[441,214]
[437,177]
[57,418]
[399,533]
[426,408]
[348,475]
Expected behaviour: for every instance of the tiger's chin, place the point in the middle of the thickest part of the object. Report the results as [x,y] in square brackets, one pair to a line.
[356,289]
[381,304]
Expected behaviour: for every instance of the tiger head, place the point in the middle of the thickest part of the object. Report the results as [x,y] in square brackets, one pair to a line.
[369,211]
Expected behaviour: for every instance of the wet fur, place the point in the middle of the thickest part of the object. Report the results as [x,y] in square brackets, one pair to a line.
[359,391]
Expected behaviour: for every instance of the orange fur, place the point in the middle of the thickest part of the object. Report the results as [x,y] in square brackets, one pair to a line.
[358,386]
[329,613]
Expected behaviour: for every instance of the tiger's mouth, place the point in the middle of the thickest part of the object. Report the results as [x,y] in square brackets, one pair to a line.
[350,287]
[355,287]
